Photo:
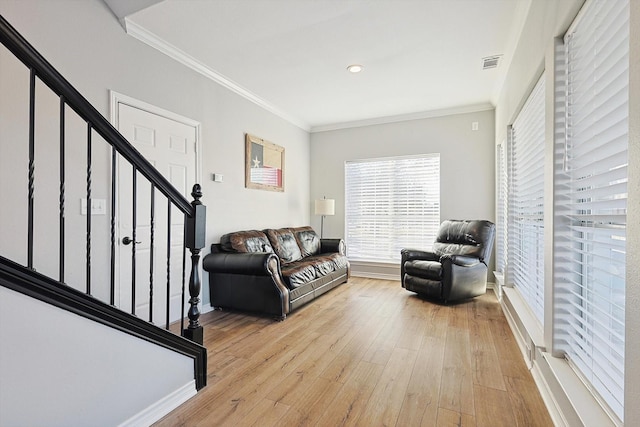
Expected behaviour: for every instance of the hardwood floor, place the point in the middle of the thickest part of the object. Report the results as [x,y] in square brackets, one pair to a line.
[367,353]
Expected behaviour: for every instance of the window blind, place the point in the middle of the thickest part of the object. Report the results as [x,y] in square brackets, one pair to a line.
[501,208]
[526,195]
[391,203]
[590,253]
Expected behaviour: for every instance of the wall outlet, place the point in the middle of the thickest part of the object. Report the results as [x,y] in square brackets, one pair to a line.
[474,125]
[98,206]
[217,177]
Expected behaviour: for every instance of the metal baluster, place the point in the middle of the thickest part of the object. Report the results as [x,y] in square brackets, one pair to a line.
[133,243]
[89,208]
[62,188]
[168,260]
[113,227]
[32,150]
[151,252]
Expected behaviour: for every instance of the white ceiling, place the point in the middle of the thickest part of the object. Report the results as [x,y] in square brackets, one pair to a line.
[290,56]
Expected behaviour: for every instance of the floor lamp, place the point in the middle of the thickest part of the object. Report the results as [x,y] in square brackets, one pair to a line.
[324,207]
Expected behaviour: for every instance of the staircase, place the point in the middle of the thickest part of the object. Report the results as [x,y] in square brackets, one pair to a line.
[27,267]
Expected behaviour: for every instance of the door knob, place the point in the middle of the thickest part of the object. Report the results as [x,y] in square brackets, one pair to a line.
[127,240]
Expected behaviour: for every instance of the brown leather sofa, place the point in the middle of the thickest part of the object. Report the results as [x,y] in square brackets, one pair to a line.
[274,271]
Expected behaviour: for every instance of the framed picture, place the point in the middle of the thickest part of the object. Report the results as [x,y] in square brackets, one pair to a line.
[264,164]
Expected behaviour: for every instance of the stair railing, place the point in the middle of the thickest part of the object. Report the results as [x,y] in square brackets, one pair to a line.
[194,212]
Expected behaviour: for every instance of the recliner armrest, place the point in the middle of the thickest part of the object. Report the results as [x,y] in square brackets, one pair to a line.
[460,260]
[409,254]
[332,246]
[255,263]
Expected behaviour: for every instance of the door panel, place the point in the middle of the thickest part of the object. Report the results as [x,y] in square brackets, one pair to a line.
[170,146]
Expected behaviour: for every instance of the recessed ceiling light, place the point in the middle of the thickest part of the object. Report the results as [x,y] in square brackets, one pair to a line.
[355,68]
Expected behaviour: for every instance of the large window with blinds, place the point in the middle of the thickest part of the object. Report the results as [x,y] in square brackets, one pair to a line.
[391,203]
[525,206]
[591,185]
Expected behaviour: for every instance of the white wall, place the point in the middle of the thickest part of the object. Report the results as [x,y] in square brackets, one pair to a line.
[85,42]
[60,369]
[545,20]
[467,165]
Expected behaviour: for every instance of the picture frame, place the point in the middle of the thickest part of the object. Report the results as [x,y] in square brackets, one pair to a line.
[264,164]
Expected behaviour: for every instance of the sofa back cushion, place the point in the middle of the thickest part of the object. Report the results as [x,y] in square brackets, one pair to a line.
[284,244]
[308,240]
[246,241]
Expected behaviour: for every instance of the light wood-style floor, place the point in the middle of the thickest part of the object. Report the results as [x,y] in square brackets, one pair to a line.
[367,353]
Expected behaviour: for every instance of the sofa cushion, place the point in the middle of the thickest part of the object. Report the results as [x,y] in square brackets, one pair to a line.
[308,240]
[298,274]
[327,263]
[246,241]
[284,244]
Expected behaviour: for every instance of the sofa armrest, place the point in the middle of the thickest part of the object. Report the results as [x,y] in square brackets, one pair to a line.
[332,246]
[460,260]
[255,263]
[248,282]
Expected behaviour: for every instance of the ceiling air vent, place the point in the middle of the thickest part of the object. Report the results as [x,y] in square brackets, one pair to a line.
[490,62]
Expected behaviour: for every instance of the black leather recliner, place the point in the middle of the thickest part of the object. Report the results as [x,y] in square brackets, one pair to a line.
[456,268]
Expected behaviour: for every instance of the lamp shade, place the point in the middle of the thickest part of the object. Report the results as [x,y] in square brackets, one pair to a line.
[325,207]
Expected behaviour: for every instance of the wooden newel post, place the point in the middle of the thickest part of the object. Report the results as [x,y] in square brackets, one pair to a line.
[195,239]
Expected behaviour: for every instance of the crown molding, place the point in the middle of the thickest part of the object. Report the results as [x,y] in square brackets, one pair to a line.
[182,57]
[152,40]
[403,117]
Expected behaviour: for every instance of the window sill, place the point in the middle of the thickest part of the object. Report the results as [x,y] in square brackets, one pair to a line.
[562,388]
[529,325]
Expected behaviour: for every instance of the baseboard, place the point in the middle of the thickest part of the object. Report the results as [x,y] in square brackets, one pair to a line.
[156,411]
[376,270]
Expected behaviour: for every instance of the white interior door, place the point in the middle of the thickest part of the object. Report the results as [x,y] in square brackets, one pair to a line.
[171,146]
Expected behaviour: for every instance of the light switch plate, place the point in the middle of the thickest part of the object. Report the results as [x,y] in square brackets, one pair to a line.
[98,206]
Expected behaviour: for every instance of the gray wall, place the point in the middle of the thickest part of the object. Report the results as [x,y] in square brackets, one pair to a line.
[467,165]
[71,371]
[85,42]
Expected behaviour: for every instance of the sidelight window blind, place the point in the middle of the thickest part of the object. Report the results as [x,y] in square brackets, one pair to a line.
[526,194]
[501,208]
[391,203]
[590,247]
